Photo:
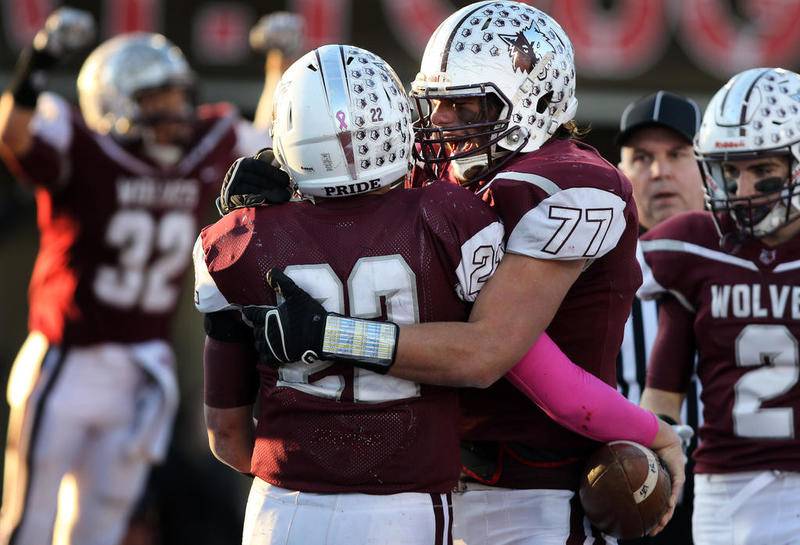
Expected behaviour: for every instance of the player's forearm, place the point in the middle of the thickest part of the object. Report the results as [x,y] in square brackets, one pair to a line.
[231,436]
[663,402]
[274,66]
[577,400]
[15,133]
[451,354]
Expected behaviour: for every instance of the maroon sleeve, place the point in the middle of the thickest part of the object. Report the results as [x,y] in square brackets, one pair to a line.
[229,373]
[672,358]
[56,129]
[41,165]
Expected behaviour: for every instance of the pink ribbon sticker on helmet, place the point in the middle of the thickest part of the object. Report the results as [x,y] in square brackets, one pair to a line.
[341,117]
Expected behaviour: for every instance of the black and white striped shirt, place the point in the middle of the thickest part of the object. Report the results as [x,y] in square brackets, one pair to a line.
[640,333]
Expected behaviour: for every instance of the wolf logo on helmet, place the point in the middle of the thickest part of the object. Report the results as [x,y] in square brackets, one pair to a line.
[522,55]
[523,51]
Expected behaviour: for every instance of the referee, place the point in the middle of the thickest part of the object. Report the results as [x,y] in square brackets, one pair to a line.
[656,154]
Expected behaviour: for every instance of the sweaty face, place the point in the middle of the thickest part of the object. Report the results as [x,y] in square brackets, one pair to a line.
[165,114]
[456,115]
[666,179]
[450,113]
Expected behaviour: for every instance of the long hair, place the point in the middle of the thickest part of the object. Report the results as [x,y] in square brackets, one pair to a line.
[570,129]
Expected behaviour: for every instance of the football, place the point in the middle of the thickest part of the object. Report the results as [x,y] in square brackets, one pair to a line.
[625,490]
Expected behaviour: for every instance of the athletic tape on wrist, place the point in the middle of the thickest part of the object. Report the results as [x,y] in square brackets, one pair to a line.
[367,342]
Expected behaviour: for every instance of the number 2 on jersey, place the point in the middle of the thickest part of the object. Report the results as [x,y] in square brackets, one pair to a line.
[775,346]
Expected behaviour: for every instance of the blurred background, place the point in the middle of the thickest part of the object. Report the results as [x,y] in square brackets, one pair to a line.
[624,48]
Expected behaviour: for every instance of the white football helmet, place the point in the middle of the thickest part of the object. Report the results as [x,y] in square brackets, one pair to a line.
[756,114]
[342,123]
[121,67]
[508,50]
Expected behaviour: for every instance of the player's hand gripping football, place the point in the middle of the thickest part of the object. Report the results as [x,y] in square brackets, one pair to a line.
[300,329]
[669,447]
[65,31]
[253,181]
[281,30]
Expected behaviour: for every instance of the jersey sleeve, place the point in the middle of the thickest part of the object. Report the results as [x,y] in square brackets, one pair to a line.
[650,288]
[207,296]
[480,255]
[468,232]
[47,163]
[668,261]
[250,139]
[671,361]
[546,222]
[230,376]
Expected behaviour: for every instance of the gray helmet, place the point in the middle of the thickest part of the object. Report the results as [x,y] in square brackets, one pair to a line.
[120,68]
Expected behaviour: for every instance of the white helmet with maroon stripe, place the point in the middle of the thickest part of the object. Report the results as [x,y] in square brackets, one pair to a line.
[507,50]
[756,114]
[342,123]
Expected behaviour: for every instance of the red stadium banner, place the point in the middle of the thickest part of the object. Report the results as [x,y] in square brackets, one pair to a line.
[413,21]
[23,18]
[767,34]
[219,33]
[131,16]
[327,21]
[613,40]
[614,43]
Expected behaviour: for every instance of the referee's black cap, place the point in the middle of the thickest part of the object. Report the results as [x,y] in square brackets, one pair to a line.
[661,109]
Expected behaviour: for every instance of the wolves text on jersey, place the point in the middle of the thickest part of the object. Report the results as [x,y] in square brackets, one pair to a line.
[755,301]
[150,192]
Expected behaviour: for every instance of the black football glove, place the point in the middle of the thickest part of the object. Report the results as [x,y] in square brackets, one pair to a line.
[300,329]
[252,181]
[66,31]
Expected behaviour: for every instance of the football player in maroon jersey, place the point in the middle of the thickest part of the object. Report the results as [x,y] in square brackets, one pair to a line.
[120,187]
[504,130]
[324,104]
[727,281]
[341,454]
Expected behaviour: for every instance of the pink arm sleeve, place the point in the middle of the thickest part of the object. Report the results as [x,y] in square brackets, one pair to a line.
[578,400]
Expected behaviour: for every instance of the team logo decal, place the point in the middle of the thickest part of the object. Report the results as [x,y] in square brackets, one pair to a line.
[523,51]
[523,57]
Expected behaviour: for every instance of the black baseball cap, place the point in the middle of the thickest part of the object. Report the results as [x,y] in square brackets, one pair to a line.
[661,109]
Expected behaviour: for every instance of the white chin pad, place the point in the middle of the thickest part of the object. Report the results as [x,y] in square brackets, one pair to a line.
[461,167]
[163,154]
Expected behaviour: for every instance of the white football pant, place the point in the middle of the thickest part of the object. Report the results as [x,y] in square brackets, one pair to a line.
[484,515]
[73,412]
[276,515]
[747,508]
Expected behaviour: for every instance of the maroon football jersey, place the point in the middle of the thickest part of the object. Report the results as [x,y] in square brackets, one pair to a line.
[746,307]
[566,202]
[417,255]
[117,230]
